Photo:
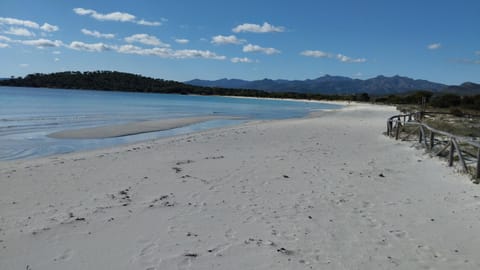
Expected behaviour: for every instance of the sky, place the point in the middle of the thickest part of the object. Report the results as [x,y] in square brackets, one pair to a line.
[211,39]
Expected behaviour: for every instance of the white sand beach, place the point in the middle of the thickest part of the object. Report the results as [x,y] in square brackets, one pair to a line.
[328,192]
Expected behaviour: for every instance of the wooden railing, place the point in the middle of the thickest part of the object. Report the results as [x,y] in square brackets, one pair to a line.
[437,142]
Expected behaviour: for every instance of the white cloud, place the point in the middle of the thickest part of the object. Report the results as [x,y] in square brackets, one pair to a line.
[256,48]
[4,38]
[114,16]
[182,41]
[182,54]
[434,46]
[96,34]
[146,39]
[90,47]
[220,40]
[24,23]
[315,53]
[56,59]
[57,52]
[241,60]
[3,45]
[340,57]
[42,43]
[82,11]
[131,49]
[346,59]
[256,28]
[29,24]
[24,65]
[169,53]
[143,22]
[49,28]
[19,31]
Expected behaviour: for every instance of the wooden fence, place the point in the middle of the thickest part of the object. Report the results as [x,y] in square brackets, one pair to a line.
[464,149]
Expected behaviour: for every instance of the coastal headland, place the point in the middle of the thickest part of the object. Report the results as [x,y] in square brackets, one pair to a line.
[328,192]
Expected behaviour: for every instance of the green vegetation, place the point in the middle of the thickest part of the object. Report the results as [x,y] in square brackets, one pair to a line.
[455,104]
[119,81]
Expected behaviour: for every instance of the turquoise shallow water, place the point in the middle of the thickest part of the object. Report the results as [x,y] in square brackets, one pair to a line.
[28,115]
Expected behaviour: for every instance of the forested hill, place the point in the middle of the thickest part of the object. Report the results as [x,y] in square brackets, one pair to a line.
[99,80]
[120,81]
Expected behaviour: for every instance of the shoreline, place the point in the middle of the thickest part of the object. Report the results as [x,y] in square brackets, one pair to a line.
[47,140]
[132,128]
[329,192]
[95,131]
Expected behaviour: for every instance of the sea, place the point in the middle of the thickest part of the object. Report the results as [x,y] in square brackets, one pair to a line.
[29,115]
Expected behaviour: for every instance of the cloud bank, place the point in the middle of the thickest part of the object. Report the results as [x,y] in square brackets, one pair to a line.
[19,31]
[46,27]
[42,43]
[114,16]
[169,53]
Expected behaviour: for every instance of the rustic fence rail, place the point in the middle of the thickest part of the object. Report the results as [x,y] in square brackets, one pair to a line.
[458,148]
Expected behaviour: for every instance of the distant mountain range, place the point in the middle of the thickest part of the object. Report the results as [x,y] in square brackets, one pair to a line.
[333,86]
[327,84]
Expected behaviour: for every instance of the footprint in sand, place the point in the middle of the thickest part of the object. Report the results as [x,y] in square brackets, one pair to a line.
[146,250]
[148,255]
[427,254]
[65,256]
[372,222]
[249,220]
[230,234]
[399,233]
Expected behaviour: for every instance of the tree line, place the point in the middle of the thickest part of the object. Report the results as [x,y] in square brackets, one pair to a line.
[120,81]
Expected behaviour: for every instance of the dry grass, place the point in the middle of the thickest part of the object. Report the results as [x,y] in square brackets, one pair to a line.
[466,125]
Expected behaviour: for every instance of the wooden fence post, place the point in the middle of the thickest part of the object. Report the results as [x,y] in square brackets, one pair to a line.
[397,131]
[460,155]
[450,154]
[477,180]
[452,142]
[432,139]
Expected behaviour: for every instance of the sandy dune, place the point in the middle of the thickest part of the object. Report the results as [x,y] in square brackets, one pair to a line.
[319,193]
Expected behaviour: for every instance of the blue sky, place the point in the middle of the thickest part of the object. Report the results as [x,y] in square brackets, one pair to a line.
[212,39]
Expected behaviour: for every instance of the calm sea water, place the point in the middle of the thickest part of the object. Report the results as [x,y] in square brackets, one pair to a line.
[28,115]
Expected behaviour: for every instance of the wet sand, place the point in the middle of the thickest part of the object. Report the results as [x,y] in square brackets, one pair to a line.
[130,128]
